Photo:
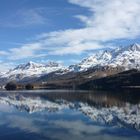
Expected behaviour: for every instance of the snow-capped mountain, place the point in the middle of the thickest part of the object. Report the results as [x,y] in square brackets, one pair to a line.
[32,69]
[127,57]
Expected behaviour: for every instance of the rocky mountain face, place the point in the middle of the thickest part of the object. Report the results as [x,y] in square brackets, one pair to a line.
[127,57]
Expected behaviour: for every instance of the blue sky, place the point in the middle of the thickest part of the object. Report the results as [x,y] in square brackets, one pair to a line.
[64,30]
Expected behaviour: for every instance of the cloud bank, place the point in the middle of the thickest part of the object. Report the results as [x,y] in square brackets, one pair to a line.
[108,20]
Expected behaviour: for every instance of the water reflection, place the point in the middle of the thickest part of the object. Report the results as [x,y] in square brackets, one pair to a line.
[70,115]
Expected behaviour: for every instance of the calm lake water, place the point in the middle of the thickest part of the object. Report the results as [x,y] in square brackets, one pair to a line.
[69,115]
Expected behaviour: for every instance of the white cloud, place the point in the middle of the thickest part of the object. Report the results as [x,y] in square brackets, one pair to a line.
[26,51]
[3,53]
[109,20]
[76,48]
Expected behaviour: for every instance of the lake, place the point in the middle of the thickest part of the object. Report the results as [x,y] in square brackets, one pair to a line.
[69,115]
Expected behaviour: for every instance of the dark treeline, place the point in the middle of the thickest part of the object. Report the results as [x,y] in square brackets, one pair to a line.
[16,86]
[127,79]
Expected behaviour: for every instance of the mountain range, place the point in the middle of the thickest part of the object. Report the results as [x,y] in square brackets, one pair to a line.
[127,57]
[100,64]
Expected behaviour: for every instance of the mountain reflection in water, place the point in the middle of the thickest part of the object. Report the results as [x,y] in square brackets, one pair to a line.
[117,110]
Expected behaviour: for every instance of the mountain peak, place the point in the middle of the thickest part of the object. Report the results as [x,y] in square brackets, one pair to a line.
[135,47]
[106,55]
[31,62]
[29,65]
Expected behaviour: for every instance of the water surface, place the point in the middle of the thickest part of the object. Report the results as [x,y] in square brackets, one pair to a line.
[71,115]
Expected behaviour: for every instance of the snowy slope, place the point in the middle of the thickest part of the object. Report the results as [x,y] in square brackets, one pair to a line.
[127,57]
[32,69]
